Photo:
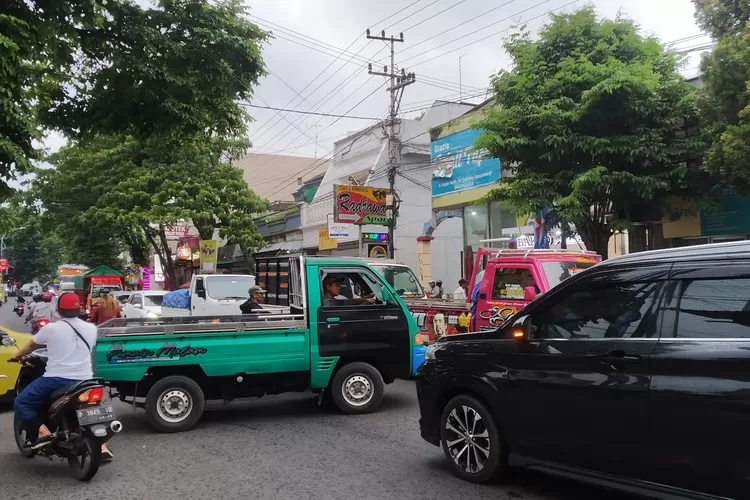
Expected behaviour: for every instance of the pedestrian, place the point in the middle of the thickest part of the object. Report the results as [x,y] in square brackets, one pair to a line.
[105,309]
[253,304]
[434,290]
[439,284]
[461,291]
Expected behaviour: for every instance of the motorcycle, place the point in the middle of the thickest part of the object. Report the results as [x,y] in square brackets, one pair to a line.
[38,324]
[78,420]
[19,309]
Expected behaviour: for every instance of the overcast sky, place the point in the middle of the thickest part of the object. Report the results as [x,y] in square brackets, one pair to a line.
[340,24]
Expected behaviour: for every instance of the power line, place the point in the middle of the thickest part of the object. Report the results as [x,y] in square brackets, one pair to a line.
[308,112]
[477,30]
[434,15]
[407,17]
[500,32]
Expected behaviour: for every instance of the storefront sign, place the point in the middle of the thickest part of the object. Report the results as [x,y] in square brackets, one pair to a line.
[176,230]
[360,204]
[209,254]
[339,229]
[458,169]
[158,270]
[146,278]
[377,251]
[728,215]
[325,242]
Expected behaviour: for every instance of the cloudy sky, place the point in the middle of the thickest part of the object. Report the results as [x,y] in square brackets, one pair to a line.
[309,72]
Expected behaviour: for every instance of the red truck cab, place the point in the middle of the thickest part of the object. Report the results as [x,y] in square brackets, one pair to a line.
[510,279]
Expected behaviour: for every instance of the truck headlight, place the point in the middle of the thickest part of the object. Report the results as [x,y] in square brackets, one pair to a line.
[431,350]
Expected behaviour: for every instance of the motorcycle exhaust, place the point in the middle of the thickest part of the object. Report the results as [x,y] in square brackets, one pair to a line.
[115,426]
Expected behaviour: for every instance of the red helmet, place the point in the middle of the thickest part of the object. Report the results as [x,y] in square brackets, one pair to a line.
[46,297]
[68,305]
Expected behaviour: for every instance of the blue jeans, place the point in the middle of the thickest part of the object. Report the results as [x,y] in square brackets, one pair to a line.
[35,397]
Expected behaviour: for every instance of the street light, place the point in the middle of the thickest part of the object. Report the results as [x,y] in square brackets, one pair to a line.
[2,240]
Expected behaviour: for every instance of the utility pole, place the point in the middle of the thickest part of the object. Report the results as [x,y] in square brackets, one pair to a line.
[398,81]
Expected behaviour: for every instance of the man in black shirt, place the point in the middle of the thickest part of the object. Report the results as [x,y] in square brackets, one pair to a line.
[252,305]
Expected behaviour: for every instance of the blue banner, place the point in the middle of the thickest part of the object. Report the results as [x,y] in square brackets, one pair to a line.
[456,169]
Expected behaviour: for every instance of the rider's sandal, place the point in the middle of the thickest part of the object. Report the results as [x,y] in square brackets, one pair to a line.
[107,456]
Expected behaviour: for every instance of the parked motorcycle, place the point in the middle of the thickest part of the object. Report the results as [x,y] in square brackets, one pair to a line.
[79,422]
[19,309]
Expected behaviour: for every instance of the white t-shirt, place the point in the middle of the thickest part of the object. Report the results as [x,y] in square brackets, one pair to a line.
[67,354]
[460,293]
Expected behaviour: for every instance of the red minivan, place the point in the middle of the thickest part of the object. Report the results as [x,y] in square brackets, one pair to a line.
[510,279]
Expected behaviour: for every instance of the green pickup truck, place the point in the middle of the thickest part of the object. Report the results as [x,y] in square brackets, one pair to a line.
[345,349]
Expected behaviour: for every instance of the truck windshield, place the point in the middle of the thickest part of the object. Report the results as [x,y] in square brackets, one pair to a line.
[402,279]
[228,287]
[96,290]
[557,272]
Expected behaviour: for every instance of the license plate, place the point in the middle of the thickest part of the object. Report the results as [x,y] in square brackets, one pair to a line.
[96,415]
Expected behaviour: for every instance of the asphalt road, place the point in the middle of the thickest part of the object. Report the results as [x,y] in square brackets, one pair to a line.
[276,447]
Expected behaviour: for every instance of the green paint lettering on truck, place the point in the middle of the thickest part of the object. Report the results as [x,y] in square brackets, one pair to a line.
[345,334]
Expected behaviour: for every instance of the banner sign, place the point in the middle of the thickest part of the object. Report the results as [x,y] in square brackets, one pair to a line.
[158,269]
[146,278]
[457,169]
[209,255]
[360,204]
[324,242]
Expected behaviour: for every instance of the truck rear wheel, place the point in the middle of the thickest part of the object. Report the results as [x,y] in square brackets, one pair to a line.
[357,388]
[174,404]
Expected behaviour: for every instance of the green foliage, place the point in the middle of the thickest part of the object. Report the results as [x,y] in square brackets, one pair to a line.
[724,101]
[722,17]
[32,252]
[590,122]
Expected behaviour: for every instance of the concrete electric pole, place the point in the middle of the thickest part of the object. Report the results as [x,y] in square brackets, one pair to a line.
[398,81]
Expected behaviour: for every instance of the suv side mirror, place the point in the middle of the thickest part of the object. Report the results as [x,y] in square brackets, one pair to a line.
[521,328]
[529,293]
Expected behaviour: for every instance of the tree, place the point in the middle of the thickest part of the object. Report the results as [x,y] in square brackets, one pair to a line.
[591,122]
[131,190]
[724,100]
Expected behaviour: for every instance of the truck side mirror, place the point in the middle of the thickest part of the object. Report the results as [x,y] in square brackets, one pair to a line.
[200,290]
[529,293]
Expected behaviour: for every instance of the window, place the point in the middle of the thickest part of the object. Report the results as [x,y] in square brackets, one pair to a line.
[136,300]
[402,279]
[510,283]
[153,300]
[558,272]
[601,311]
[351,288]
[714,309]
[228,287]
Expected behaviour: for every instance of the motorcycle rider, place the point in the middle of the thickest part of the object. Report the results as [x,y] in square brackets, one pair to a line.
[41,309]
[69,345]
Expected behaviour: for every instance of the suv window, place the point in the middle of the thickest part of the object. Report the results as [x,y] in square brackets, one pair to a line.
[717,308]
[600,311]
[510,282]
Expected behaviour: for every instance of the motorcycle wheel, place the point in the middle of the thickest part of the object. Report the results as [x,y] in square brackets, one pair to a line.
[86,464]
[20,436]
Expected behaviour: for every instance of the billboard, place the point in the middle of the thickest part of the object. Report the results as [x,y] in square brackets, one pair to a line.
[359,204]
[208,255]
[456,168]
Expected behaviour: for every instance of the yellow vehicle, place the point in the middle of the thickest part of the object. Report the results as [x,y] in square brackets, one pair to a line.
[10,342]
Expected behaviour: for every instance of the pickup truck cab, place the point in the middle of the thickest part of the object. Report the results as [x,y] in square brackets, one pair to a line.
[209,295]
[508,280]
[344,349]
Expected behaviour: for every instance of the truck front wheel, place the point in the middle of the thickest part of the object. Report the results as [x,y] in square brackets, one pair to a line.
[357,388]
[174,404]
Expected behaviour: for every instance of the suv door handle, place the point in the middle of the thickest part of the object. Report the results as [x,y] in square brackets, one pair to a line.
[333,320]
[619,355]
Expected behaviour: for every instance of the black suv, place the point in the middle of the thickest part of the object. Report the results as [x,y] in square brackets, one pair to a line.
[634,374]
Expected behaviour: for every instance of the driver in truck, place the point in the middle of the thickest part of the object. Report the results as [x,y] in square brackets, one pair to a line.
[332,293]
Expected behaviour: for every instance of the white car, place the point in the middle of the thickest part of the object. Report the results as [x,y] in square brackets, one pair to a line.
[145,304]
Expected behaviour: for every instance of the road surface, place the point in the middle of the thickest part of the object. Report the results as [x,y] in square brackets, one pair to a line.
[276,447]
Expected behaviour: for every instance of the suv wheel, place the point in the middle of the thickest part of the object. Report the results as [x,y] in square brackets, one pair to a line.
[471,440]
